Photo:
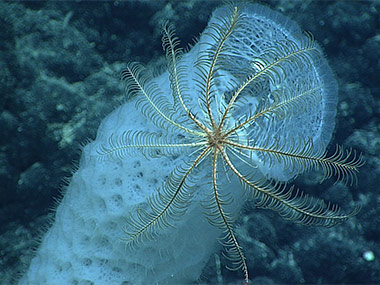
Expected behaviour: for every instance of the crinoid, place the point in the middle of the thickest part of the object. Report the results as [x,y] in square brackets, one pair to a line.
[253,101]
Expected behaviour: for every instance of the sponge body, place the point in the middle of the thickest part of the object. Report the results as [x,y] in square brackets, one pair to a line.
[85,244]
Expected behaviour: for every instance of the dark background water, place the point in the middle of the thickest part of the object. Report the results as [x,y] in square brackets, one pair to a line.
[59,76]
